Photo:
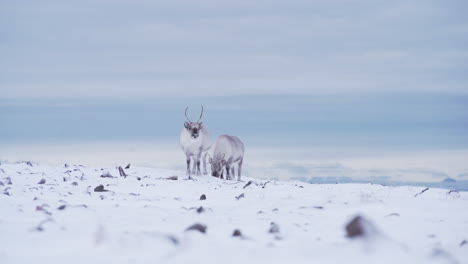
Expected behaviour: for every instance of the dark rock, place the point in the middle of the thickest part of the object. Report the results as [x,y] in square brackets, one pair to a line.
[122,172]
[8,181]
[318,207]
[42,181]
[245,186]
[107,175]
[197,227]
[74,183]
[237,233]
[419,193]
[66,165]
[203,197]
[62,207]
[173,178]
[138,178]
[464,242]
[274,228]
[171,238]
[127,167]
[360,227]
[200,209]
[392,214]
[240,196]
[100,188]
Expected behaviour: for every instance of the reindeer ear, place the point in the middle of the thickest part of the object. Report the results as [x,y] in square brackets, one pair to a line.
[187,125]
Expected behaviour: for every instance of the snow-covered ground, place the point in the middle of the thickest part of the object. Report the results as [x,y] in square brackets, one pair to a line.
[55,214]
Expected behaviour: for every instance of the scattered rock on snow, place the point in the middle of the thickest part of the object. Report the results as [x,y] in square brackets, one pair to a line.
[360,227]
[107,175]
[171,238]
[237,233]
[42,181]
[127,167]
[240,196]
[100,188]
[392,214]
[419,193]
[197,227]
[464,242]
[173,178]
[8,181]
[74,183]
[247,185]
[62,207]
[203,197]
[274,228]
[122,172]
[200,209]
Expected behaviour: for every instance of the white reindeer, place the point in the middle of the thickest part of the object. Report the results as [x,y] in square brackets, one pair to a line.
[228,150]
[195,139]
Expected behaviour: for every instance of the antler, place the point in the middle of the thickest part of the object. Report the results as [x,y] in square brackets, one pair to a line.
[201,113]
[186,114]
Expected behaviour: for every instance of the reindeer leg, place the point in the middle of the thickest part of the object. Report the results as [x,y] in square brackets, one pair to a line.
[204,164]
[198,164]
[188,166]
[228,169]
[194,167]
[239,169]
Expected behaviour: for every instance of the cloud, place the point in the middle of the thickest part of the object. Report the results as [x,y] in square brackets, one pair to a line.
[144,49]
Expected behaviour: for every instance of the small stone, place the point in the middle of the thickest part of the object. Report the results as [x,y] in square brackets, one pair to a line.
[74,183]
[236,233]
[197,227]
[127,167]
[62,207]
[100,188]
[107,175]
[8,181]
[240,196]
[42,181]
[173,178]
[274,228]
[203,197]
[360,227]
[200,209]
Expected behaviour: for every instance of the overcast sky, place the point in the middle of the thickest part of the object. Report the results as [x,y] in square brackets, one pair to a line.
[145,49]
[84,81]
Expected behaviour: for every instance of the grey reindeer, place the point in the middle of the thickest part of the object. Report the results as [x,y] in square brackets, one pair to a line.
[228,151]
[195,140]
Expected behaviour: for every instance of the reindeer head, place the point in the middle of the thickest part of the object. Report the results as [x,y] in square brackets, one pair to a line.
[217,165]
[193,127]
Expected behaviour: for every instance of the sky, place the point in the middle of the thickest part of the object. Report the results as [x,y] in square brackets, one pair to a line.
[324,80]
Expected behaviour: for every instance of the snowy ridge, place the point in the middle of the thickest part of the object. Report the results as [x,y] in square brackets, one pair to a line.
[62,214]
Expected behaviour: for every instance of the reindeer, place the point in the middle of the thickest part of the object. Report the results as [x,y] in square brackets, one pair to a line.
[227,151]
[195,139]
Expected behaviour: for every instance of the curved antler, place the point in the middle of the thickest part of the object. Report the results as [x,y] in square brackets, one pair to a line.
[186,114]
[200,114]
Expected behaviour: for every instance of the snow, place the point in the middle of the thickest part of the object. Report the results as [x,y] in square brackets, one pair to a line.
[143,218]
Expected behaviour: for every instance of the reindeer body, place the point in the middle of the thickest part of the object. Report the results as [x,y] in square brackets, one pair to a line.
[228,152]
[195,140]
